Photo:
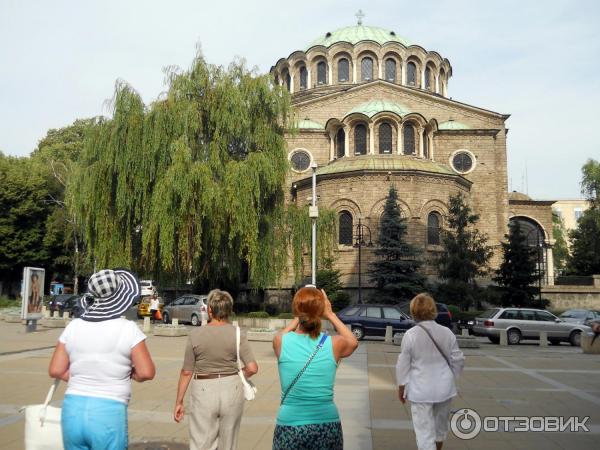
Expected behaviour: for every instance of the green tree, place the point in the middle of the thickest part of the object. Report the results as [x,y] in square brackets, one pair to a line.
[585,244]
[560,250]
[395,272]
[466,254]
[193,184]
[23,191]
[585,239]
[517,275]
[55,158]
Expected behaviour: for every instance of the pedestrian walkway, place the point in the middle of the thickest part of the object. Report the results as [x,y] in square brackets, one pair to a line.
[525,380]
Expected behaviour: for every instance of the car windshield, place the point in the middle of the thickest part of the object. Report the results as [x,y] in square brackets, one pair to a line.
[489,313]
[574,314]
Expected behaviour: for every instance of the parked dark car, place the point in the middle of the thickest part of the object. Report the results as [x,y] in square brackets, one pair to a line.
[57,301]
[372,320]
[70,304]
[444,316]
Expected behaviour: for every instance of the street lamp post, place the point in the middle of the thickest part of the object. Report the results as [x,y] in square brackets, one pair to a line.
[360,241]
[313,213]
[540,258]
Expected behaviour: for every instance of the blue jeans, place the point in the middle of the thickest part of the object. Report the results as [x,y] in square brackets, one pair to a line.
[92,423]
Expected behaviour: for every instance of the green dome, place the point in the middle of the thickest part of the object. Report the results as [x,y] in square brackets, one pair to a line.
[452,125]
[373,107]
[307,124]
[357,33]
[380,163]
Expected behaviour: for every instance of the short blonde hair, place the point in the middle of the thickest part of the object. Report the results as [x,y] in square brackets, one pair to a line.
[422,307]
[220,304]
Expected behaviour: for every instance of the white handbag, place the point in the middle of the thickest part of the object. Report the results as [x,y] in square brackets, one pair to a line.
[42,424]
[249,388]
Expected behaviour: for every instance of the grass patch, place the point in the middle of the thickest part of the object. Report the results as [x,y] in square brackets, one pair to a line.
[6,302]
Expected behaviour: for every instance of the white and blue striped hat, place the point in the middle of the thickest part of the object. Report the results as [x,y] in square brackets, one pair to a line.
[113,291]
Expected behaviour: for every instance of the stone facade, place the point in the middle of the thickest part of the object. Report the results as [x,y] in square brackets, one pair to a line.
[342,125]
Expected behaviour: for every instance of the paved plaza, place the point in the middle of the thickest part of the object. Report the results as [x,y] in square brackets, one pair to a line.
[525,380]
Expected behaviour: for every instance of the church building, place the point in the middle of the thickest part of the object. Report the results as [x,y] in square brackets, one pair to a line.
[373,110]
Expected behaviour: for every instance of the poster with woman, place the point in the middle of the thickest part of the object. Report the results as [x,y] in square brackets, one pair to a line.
[32,293]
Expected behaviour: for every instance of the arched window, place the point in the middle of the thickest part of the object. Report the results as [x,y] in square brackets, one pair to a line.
[390,70]
[321,72]
[428,81]
[442,80]
[303,78]
[409,139]
[425,145]
[343,70]
[433,228]
[360,140]
[385,138]
[366,69]
[346,228]
[288,82]
[340,143]
[534,238]
[411,74]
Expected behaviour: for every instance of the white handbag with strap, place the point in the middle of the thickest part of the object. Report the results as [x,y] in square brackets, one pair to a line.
[43,430]
[249,388]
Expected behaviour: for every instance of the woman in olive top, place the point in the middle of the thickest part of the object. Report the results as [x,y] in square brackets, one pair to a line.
[308,418]
[217,399]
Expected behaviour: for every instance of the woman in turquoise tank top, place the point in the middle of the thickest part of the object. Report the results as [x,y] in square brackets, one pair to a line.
[307,359]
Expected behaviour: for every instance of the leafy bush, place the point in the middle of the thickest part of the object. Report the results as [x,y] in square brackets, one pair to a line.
[339,300]
[258,315]
[5,302]
[286,315]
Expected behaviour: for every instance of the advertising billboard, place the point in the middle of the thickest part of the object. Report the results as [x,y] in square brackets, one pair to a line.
[32,293]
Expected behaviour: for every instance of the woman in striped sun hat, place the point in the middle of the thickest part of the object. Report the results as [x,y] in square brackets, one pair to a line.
[98,354]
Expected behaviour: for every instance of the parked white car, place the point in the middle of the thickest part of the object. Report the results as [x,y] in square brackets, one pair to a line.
[148,288]
[525,323]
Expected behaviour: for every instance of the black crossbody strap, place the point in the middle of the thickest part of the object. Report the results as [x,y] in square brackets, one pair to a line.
[436,345]
[314,353]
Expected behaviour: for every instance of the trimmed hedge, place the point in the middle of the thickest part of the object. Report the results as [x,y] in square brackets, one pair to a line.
[286,315]
[258,315]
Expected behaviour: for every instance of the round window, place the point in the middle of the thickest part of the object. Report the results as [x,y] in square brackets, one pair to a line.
[462,162]
[300,160]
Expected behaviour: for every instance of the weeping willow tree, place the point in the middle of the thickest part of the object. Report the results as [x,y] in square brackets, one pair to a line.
[193,184]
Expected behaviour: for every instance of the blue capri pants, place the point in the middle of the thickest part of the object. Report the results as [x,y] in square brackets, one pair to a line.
[93,423]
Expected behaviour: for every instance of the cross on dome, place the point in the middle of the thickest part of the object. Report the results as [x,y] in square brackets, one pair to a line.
[359,16]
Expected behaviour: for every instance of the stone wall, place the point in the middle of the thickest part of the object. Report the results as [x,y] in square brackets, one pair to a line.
[573,297]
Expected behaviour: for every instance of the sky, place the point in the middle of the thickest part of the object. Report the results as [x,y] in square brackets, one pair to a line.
[538,61]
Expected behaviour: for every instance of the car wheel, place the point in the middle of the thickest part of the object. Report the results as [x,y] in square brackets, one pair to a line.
[358,333]
[494,340]
[575,338]
[513,336]
[554,341]
[166,318]
[195,320]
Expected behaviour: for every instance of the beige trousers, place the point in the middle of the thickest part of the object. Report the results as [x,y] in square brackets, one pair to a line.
[216,413]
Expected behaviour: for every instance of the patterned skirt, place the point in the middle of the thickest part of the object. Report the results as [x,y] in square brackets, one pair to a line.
[319,436]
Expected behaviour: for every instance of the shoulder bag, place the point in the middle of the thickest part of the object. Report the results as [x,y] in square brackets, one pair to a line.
[42,424]
[249,388]
[314,353]
[436,346]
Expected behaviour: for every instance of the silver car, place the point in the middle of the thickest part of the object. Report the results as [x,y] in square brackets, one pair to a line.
[187,308]
[582,316]
[525,323]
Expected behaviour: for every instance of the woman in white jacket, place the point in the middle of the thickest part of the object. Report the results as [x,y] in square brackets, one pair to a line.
[427,366]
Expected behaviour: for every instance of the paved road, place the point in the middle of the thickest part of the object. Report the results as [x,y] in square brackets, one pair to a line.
[525,380]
